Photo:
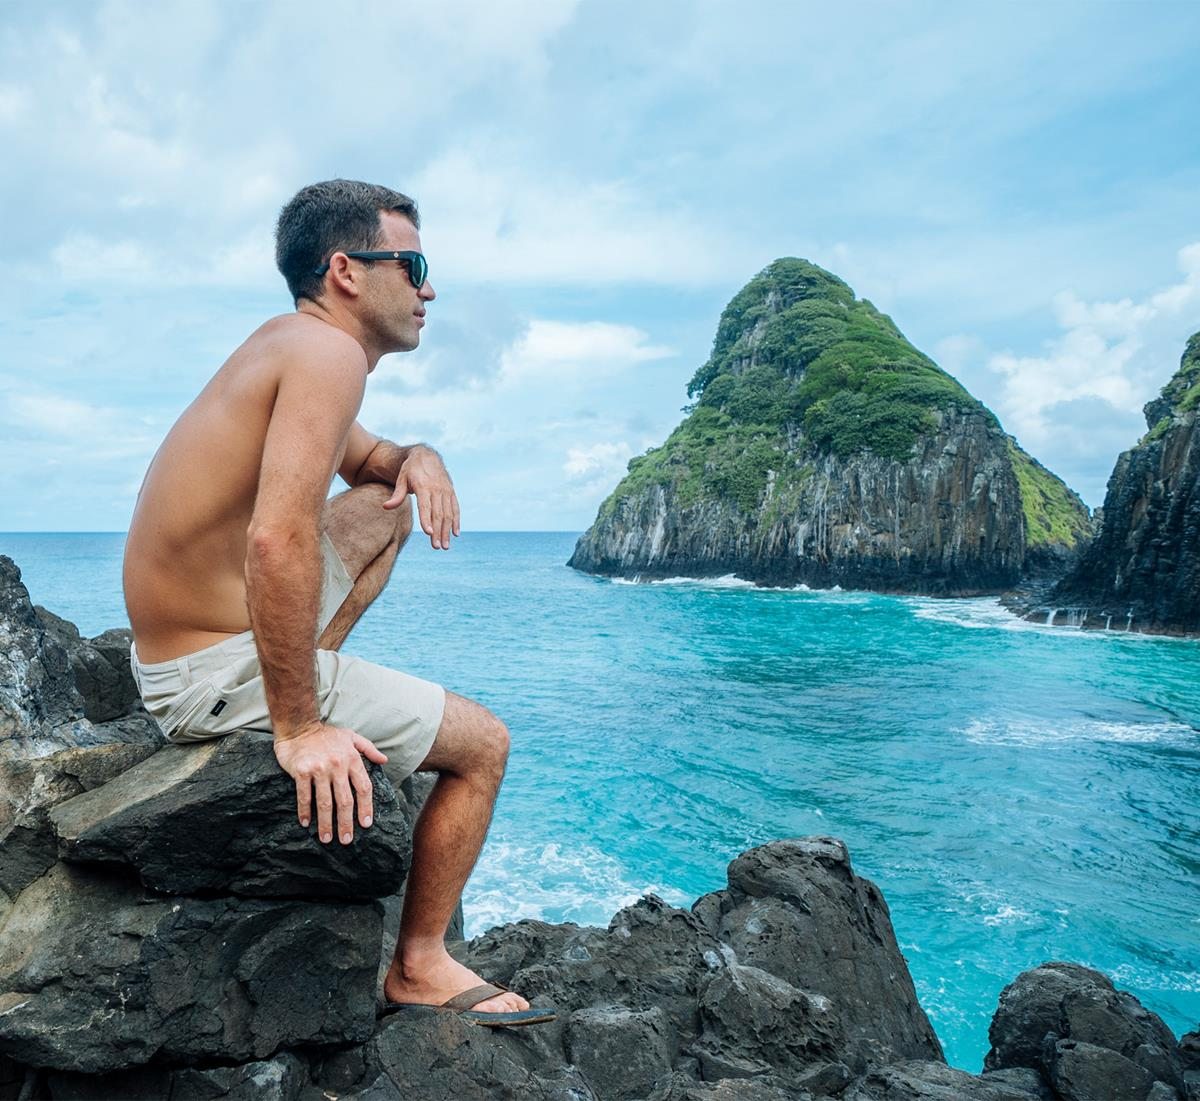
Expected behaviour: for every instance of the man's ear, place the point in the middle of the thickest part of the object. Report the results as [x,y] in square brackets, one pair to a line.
[343,274]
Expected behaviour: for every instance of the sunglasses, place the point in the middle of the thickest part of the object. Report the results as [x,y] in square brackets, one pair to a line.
[418,266]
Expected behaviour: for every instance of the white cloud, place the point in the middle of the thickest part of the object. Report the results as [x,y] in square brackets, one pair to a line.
[552,350]
[606,459]
[1120,352]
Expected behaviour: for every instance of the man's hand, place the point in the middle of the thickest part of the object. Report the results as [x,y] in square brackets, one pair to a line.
[329,758]
[423,474]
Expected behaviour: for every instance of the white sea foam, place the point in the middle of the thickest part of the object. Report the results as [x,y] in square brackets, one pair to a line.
[1032,732]
[1005,915]
[726,581]
[1151,978]
[551,882]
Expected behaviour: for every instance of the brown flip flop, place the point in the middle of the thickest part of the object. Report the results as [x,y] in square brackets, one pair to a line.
[461,1004]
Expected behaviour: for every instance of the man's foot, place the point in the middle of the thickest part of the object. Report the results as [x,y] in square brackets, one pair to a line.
[439,980]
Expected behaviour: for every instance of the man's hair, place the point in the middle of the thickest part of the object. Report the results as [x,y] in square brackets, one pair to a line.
[329,217]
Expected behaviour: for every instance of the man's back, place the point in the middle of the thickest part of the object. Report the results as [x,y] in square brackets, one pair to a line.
[185,556]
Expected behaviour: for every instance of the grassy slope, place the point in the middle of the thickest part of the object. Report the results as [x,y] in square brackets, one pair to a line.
[796,349]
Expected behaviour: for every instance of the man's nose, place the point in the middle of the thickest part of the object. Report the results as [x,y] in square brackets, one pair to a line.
[427,292]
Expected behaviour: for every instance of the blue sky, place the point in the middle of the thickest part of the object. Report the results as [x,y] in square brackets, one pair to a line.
[1016,184]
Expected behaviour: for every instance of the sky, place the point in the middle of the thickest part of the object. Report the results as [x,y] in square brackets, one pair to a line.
[1014,183]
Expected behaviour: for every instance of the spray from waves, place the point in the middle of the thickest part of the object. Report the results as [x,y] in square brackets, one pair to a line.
[553,883]
[1032,732]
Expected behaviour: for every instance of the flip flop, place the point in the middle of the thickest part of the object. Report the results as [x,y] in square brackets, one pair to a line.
[461,1004]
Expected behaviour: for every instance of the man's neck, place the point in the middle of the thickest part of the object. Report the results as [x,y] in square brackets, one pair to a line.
[341,319]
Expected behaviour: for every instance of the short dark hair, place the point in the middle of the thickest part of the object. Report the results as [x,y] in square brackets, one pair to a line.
[333,216]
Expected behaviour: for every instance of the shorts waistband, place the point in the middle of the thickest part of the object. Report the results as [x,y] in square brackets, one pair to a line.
[183,670]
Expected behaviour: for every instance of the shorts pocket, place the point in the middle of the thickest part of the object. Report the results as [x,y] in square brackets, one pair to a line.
[190,709]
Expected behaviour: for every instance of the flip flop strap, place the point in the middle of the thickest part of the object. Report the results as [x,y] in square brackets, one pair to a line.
[473,996]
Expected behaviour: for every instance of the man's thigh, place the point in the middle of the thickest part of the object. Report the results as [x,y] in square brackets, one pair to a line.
[469,737]
[361,527]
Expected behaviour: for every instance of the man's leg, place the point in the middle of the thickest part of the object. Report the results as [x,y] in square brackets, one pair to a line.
[469,754]
[367,537]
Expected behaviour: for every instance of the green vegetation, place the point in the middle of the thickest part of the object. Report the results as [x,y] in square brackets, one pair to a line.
[1183,391]
[794,350]
[1053,514]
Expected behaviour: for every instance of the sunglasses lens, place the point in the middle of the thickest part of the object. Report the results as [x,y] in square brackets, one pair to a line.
[418,270]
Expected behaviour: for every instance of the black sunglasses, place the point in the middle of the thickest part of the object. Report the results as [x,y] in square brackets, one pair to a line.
[418,266]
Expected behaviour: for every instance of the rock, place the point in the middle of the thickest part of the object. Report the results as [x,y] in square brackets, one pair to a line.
[279,1079]
[221,817]
[30,788]
[796,909]
[426,1055]
[927,1081]
[43,663]
[99,974]
[621,1052]
[754,1023]
[1074,1027]
[1142,572]
[100,667]
[824,449]
[679,1087]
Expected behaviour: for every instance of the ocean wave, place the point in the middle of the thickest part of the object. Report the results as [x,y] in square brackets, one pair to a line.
[551,882]
[1031,732]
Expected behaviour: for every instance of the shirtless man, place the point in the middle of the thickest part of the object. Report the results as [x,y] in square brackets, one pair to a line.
[242,580]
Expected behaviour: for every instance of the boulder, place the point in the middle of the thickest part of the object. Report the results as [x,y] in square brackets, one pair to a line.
[279,1079]
[1078,1031]
[99,974]
[679,1087]
[928,1081]
[796,909]
[100,667]
[220,817]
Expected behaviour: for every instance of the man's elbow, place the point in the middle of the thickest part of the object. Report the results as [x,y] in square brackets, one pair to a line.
[268,541]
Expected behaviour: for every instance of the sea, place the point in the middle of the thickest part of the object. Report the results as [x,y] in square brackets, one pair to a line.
[1019,793]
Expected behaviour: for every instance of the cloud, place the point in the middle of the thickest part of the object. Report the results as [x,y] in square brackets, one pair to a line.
[553,350]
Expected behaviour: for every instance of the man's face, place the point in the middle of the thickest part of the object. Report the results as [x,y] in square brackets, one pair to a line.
[392,307]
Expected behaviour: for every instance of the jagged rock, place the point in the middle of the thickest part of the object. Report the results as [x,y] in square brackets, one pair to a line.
[220,817]
[1142,571]
[41,659]
[29,789]
[427,1055]
[679,1087]
[1073,1026]
[926,1081]
[825,449]
[279,1079]
[99,974]
[796,909]
[754,1023]
[621,1052]
[100,667]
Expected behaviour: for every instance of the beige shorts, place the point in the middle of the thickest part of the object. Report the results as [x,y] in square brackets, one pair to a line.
[219,689]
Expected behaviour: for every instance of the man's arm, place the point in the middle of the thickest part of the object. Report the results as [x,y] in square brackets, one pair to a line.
[416,469]
[319,393]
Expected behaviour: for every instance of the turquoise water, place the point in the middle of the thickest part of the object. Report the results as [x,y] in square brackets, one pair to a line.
[1019,793]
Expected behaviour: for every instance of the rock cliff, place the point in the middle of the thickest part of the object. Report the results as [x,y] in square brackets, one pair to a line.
[1142,571]
[823,448]
[167,931]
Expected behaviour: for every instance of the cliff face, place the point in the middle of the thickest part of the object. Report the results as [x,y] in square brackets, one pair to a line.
[825,449]
[1142,572]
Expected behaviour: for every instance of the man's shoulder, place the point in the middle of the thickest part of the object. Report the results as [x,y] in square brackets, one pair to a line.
[302,339]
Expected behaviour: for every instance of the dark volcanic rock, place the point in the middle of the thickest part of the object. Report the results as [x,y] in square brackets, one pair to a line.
[1142,572]
[44,664]
[1073,1026]
[825,449]
[29,789]
[796,909]
[101,975]
[279,1079]
[220,817]
[918,1081]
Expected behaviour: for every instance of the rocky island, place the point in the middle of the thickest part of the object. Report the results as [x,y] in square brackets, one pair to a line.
[1142,571]
[167,931]
[823,448]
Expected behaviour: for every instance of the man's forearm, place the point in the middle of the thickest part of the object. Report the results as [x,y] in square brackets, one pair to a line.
[384,462]
[283,586]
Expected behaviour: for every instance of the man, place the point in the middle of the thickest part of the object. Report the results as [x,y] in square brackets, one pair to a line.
[242,580]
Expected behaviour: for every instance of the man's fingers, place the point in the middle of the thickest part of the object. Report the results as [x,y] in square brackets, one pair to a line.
[423,512]
[324,807]
[303,800]
[435,515]
[454,498]
[345,807]
[369,749]
[447,520]
[362,788]
[398,494]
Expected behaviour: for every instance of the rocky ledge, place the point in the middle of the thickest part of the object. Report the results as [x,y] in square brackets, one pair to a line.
[168,931]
